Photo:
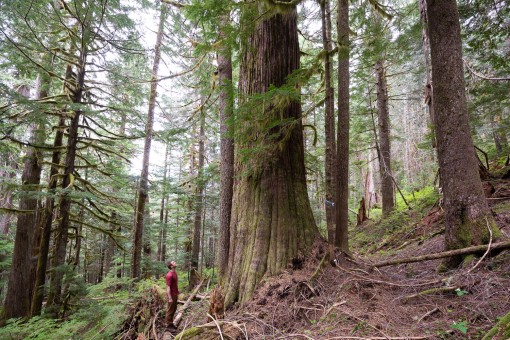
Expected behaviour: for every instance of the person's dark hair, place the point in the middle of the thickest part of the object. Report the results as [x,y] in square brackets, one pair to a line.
[170,265]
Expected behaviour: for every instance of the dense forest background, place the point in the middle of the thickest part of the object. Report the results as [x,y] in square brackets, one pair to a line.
[131,133]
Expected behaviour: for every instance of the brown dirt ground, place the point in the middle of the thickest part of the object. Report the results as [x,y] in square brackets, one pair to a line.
[357,301]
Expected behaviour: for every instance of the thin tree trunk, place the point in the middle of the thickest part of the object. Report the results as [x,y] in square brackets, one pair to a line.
[226,152]
[342,209]
[272,221]
[204,210]
[499,133]
[467,216]
[428,71]
[143,190]
[329,123]
[147,249]
[77,87]
[44,247]
[162,223]
[384,150]
[109,245]
[7,176]
[199,206]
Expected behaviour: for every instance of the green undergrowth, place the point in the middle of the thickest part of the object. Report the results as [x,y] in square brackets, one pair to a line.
[386,235]
[97,315]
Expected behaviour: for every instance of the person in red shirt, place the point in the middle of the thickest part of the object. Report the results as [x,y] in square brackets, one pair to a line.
[172,291]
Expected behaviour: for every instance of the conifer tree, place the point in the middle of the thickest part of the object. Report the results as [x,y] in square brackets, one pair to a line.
[272,222]
[467,216]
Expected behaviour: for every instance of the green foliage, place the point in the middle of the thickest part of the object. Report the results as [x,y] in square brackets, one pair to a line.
[99,314]
[390,232]
[461,292]
[460,326]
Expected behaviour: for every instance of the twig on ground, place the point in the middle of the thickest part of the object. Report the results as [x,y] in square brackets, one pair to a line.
[488,248]
[293,336]
[217,325]
[336,304]
[429,313]
[154,332]
[368,324]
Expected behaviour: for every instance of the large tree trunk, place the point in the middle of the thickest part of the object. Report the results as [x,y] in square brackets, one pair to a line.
[272,222]
[199,206]
[20,286]
[329,123]
[143,189]
[384,149]
[342,209]
[226,150]
[467,217]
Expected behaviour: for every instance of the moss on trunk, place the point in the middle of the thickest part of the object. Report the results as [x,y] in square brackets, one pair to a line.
[271,221]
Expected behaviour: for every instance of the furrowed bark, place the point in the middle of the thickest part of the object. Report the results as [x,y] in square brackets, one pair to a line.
[467,216]
[342,209]
[199,204]
[226,151]
[44,247]
[61,235]
[329,124]
[272,222]
[20,285]
[384,150]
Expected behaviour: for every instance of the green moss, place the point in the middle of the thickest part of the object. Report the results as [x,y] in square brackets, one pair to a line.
[501,329]
[501,207]
[190,333]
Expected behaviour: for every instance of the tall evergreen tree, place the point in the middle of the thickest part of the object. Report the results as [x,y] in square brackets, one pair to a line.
[384,145]
[329,122]
[467,216]
[20,287]
[226,107]
[272,222]
[342,156]
[143,189]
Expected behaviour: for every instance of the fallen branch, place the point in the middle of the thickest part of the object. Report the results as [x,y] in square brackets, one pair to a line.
[431,291]
[429,313]
[200,329]
[449,253]
[179,315]
[217,325]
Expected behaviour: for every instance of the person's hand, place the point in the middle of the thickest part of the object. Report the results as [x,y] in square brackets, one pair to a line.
[170,300]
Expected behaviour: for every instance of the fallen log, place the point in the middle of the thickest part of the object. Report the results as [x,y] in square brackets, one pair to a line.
[180,313]
[449,253]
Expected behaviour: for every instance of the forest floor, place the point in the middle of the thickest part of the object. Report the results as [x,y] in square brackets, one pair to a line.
[355,300]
